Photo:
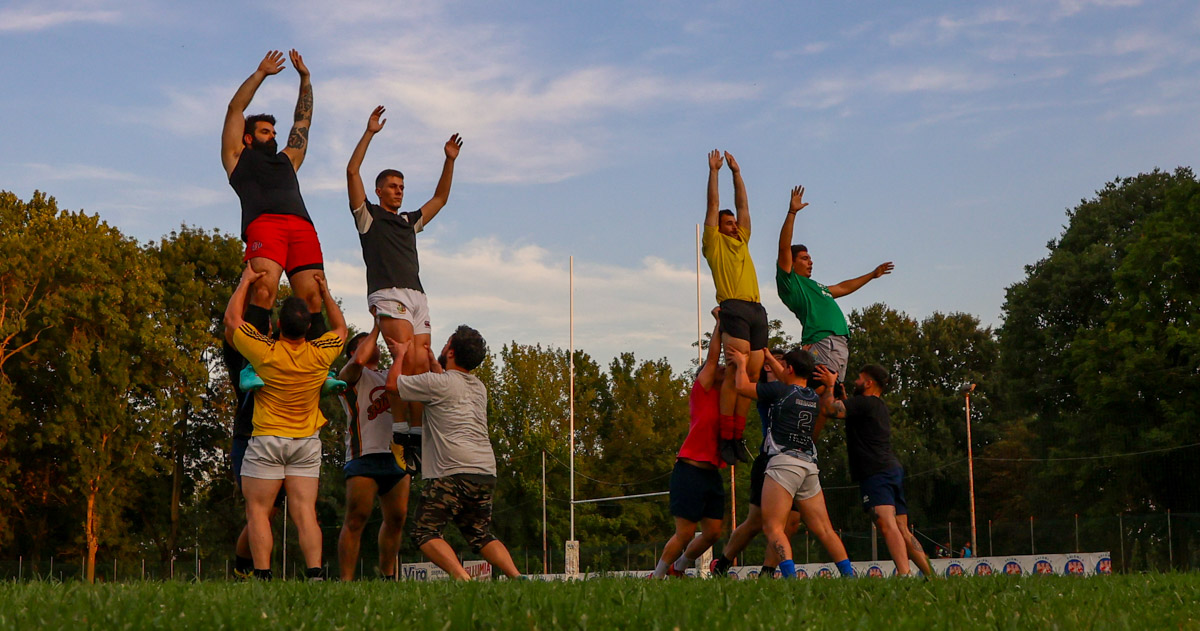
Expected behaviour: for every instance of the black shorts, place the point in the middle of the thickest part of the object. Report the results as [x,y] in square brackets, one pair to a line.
[885,488]
[746,321]
[381,468]
[240,443]
[462,499]
[696,493]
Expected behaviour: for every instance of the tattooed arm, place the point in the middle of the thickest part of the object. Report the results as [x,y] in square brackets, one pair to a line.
[297,144]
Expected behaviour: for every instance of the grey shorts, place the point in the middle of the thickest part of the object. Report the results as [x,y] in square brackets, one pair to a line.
[832,351]
[276,457]
[798,477]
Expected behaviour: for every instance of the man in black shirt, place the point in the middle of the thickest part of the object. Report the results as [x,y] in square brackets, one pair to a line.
[275,225]
[389,244]
[874,465]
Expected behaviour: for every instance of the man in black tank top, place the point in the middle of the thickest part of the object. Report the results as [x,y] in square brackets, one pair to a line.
[275,224]
[389,244]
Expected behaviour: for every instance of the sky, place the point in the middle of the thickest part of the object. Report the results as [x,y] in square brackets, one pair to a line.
[949,138]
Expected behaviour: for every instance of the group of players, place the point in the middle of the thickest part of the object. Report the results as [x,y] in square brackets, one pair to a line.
[427,414]
[797,390]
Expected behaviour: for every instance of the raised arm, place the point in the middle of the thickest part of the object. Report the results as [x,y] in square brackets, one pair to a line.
[237,302]
[337,322]
[714,190]
[708,371]
[442,193]
[742,382]
[354,182]
[830,407]
[822,416]
[352,371]
[784,259]
[235,121]
[740,203]
[852,285]
[297,144]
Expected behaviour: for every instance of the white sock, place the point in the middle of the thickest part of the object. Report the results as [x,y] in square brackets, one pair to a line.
[660,570]
[683,562]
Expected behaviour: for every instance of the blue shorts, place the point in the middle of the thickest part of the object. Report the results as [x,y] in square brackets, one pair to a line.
[379,467]
[696,493]
[240,443]
[885,488]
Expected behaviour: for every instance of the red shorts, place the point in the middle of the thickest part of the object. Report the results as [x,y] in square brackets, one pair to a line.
[288,240]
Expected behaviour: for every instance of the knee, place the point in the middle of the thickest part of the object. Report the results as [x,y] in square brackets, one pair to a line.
[263,292]
[355,521]
[685,533]
[394,523]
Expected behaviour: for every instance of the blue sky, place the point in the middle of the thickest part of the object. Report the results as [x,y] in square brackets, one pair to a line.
[946,137]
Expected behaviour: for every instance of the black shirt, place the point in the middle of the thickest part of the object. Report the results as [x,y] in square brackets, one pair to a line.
[389,247]
[243,419]
[868,437]
[266,185]
[791,412]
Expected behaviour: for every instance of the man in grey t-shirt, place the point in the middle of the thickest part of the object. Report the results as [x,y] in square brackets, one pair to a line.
[457,460]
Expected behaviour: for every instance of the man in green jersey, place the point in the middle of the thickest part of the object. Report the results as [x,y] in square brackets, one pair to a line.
[825,335]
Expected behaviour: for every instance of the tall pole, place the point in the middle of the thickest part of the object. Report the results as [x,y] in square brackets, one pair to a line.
[970,463]
[699,325]
[545,547]
[571,390]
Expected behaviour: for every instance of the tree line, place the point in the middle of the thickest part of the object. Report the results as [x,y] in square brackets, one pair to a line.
[115,411]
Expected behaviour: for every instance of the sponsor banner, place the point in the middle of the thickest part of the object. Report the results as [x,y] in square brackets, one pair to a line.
[1083,564]
[478,570]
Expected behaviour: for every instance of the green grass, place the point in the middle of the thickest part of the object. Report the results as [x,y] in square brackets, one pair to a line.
[1003,602]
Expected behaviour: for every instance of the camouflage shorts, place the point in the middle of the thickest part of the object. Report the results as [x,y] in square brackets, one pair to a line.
[465,500]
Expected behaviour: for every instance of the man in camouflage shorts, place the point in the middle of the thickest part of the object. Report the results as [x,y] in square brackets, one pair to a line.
[458,464]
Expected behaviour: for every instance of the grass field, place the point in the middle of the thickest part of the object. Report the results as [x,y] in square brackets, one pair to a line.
[1003,602]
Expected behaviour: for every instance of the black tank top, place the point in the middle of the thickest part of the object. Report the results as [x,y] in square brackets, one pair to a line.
[389,249]
[266,185]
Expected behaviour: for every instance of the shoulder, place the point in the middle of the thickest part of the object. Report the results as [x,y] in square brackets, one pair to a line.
[247,332]
[328,341]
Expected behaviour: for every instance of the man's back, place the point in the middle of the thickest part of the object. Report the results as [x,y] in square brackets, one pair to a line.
[292,373]
[455,438]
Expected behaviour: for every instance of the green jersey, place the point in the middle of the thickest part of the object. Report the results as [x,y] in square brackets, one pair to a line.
[813,305]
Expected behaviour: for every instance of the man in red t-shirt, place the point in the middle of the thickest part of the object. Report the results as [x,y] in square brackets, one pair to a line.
[697,495]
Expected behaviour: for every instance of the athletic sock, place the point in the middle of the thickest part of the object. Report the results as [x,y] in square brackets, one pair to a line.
[684,562]
[768,571]
[788,568]
[845,568]
[739,427]
[317,326]
[259,318]
[263,575]
[660,570]
[721,565]
[726,424]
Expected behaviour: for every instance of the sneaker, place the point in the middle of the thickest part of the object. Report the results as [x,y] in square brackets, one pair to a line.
[315,574]
[333,385]
[674,573]
[248,380]
[715,570]
[743,452]
[728,452]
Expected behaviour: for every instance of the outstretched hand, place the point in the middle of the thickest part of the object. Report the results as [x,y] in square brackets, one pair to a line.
[798,202]
[884,268]
[272,63]
[715,160]
[733,165]
[298,63]
[375,123]
[452,146]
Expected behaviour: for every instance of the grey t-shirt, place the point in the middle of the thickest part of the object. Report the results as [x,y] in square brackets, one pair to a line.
[455,439]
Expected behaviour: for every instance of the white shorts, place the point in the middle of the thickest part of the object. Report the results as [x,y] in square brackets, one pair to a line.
[402,304]
[277,457]
[800,478]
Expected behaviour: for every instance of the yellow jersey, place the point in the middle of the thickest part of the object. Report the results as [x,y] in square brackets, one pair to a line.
[287,405]
[731,265]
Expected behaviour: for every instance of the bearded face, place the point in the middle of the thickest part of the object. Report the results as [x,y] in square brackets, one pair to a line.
[265,147]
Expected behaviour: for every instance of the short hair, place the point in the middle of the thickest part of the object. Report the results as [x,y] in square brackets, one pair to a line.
[801,361]
[252,121]
[878,374]
[385,174]
[762,375]
[725,211]
[469,347]
[294,318]
[798,248]
[352,345]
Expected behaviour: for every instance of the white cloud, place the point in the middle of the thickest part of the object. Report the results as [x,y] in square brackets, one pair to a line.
[79,172]
[39,16]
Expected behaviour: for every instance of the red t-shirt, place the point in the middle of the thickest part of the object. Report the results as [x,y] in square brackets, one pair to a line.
[704,430]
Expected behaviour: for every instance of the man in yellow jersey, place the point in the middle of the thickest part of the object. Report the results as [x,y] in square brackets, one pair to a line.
[285,449]
[726,247]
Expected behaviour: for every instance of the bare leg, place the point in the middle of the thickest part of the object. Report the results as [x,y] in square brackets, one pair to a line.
[260,499]
[729,395]
[816,518]
[744,533]
[885,519]
[498,556]
[304,285]
[395,511]
[302,507]
[754,363]
[915,551]
[262,294]
[776,504]
[685,531]
[710,531]
[401,331]
[416,363]
[360,497]
[442,555]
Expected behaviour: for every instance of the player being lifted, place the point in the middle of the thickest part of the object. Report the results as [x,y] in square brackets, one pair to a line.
[794,422]
[726,247]
[389,247]
[826,334]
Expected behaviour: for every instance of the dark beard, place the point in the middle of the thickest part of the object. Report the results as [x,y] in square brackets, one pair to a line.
[268,148]
[442,360]
[859,390]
